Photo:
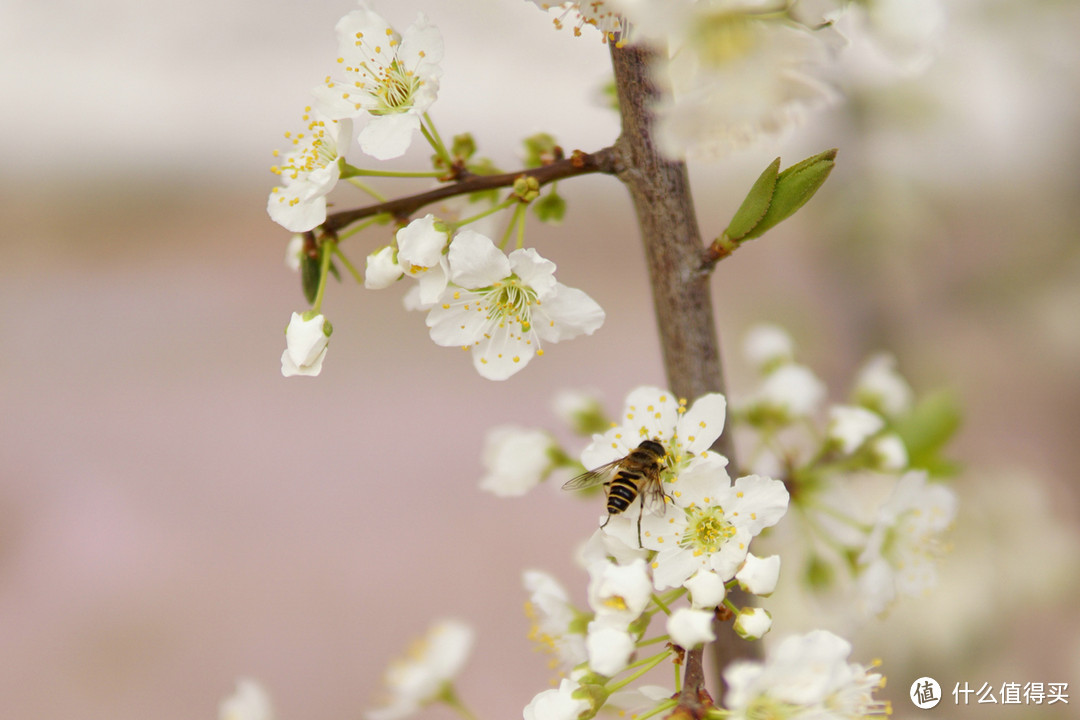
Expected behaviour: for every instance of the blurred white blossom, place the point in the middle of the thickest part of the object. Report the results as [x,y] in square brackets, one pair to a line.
[432,663]
[516,460]
[248,702]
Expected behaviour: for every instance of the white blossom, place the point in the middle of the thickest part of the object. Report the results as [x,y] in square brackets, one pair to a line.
[881,388]
[753,623]
[556,703]
[600,14]
[851,426]
[553,619]
[382,269]
[900,551]
[690,628]
[306,343]
[434,661]
[733,78]
[792,390]
[767,346]
[421,246]
[759,575]
[609,647]
[803,676]
[706,589]
[309,171]
[619,593]
[501,308]
[889,452]
[388,78]
[249,702]
[516,460]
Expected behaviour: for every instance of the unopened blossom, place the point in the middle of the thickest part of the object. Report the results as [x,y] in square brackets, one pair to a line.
[759,575]
[881,388]
[306,342]
[432,663]
[609,647]
[689,628]
[515,460]
[752,623]
[557,703]
[249,702]
[900,554]
[804,676]
[554,619]
[851,426]
[388,79]
[733,79]
[706,589]
[382,269]
[308,172]
[421,245]
[889,452]
[501,308]
[581,410]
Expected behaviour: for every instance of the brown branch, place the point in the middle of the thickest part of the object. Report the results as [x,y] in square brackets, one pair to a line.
[682,299]
[579,163]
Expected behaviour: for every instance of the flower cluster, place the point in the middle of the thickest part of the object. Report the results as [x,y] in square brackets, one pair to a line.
[500,307]
[840,462]
[804,676]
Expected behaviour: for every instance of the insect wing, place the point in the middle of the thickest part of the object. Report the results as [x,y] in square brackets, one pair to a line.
[592,478]
[653,498]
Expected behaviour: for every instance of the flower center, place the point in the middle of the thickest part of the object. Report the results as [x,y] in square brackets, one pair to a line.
[312,150]
[510,300]
[707,530]
[395,91]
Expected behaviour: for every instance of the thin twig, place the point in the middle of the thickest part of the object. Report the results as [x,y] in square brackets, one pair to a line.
[465,183]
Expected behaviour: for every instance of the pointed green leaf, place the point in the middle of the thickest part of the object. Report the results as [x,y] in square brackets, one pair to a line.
[550,208]
[927,429]
[794,187]
[755,205]
[309,276]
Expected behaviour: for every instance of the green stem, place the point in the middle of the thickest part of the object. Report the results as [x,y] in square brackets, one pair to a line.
[360,226]
[662,707]
[653,641]
[661,604]
[428,128]
[479,216]
[351,172]
[361,185]
[510,226]
[521,228]
[645,666]
[450,697]
[348,265]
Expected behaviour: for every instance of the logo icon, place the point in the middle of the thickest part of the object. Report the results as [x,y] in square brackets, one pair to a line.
[925,693]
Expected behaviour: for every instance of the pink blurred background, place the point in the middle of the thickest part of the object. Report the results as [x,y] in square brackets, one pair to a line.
[174,514]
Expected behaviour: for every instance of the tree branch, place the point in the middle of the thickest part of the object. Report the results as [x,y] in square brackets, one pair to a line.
[660,190]
[579,163]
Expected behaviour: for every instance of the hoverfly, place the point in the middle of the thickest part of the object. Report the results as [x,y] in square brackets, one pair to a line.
[625,479]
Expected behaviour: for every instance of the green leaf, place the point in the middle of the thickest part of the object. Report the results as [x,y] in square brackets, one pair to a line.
[794,187]
[928,428]
[463,147]
[755,205]
[550,208]
[309,276]
[540,149]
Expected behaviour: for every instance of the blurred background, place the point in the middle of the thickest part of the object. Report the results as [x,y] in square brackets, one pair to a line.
[174,514]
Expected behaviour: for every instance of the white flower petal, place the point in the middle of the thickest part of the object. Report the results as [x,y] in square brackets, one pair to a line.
[420,244]
[565,314]
[535,271]
[753,623]
[475,262]
[382,270]
[388,136]
[516,460]
[759,575]
[249,702]
[609,649]
[706,589]
[703,423]
[690,628]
